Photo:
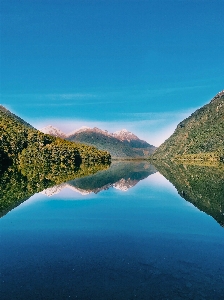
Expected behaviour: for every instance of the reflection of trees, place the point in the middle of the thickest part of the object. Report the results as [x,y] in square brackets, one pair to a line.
[18,185]
[130,171]
[203,186]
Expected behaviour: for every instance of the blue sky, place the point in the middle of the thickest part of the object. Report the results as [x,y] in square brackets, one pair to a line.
[140,65]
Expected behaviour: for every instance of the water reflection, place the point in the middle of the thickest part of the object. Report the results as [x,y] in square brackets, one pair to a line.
[202,185]
[151,246]
[18,185]
[121,175]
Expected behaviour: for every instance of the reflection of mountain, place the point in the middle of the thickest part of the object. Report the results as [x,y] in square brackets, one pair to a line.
[125,184]
[16,186]
[203,186]
[57,188]
[121,175]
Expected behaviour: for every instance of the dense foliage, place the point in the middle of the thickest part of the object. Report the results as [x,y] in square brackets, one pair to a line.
[31,161]
[16,186]
[200,136]
[129,173]
[21,144]
[13,136]
[199,184]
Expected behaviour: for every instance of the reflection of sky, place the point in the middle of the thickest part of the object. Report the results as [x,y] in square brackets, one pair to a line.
[124,239]
[155,191]
[154,196]
[155,182]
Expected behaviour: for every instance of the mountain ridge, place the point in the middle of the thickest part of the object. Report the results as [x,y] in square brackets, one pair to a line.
[121,144]
[122,134]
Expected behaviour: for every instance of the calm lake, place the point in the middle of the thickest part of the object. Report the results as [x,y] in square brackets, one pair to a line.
[128,232]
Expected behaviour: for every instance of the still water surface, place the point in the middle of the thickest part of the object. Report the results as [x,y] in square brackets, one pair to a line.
[134,237]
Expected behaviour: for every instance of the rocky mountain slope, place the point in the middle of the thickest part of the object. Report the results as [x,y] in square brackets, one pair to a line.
[200,136]
[102,141]
[120,144]
[132,140]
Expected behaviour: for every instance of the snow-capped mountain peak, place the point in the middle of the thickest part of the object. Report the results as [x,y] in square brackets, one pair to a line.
[124,134]
[81,129]
[53,131]
[122,131]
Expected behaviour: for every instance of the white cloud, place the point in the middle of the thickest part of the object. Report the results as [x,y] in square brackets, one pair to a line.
[119,95]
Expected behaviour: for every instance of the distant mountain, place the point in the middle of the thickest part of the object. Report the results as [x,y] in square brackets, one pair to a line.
[88,129]
[125,135]
[120,144]
[103,141]
[83,128]
[200,136]
[132,140]
[53,131]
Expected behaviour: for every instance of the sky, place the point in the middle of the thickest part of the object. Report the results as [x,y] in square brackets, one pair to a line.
[143,65]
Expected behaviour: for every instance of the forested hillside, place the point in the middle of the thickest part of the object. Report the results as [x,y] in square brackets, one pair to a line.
[199,137]
[21,144]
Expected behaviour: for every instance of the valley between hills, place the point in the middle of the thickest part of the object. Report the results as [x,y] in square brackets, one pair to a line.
[33,161]
[200,137]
